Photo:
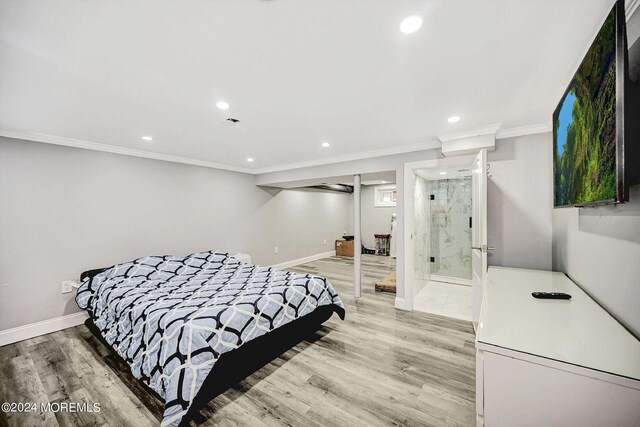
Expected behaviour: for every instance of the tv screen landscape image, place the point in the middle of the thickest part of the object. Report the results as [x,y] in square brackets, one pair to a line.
[584,127]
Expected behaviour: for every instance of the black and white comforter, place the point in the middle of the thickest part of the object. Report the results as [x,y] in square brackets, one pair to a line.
[172,317]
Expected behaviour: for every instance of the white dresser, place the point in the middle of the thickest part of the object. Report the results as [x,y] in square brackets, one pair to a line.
[550,363]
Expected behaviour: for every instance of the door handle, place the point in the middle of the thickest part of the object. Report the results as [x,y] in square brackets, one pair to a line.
[484,248]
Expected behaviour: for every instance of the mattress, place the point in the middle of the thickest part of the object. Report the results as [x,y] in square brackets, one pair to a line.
[171,318]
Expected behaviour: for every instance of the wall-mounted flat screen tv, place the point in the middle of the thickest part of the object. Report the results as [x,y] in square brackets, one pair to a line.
[588,123]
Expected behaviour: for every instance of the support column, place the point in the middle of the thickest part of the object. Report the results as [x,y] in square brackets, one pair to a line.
[357,243]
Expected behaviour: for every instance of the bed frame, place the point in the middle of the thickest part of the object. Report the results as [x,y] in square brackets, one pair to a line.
[234,366]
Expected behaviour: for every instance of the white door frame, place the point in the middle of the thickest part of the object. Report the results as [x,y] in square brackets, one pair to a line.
[479,233]
[406,303]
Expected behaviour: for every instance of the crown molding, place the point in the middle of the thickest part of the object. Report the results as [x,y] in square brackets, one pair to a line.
[523,130]
[470,133]
[429,145]
[402,149]
[88,145]
[631,7]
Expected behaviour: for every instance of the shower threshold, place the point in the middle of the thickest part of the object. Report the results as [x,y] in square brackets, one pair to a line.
[450,279]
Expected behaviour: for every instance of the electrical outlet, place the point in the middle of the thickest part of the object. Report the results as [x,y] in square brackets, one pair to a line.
[324,241]
[67,286]
[275,250]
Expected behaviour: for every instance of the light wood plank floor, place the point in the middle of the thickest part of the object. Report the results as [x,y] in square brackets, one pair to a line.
[380,366]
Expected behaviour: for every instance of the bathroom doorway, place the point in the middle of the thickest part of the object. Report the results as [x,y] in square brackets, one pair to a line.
[442,241]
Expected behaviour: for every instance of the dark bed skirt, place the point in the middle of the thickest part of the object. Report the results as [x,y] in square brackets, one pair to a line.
[234,366]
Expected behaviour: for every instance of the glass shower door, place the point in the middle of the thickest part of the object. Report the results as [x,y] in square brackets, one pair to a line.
[450,236]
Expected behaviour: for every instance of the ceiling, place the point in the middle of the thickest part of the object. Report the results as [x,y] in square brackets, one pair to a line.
[295,73]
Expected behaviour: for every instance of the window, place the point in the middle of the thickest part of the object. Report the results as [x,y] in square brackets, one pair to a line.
[384,195]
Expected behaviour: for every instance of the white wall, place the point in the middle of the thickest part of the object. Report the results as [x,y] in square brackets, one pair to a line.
[374,220]
[599,248]
[520,202]
[65,210]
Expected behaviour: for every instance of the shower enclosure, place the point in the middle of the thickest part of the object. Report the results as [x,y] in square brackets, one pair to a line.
[443,229]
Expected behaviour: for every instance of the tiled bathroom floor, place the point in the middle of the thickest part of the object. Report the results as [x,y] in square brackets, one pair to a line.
[445,299]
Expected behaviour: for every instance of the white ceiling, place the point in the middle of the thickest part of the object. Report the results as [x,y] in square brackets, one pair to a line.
[295,73]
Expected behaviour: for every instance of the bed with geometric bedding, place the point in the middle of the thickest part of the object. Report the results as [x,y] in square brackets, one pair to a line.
[171,318]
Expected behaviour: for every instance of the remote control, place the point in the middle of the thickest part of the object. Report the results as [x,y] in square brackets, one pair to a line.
[551,295]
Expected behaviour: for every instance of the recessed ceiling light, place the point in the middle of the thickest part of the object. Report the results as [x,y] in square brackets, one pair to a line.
[385,182]
[453,119]
[249,159]
[443,173]
[411,24]
[325,144]
[147,138]
[222,105]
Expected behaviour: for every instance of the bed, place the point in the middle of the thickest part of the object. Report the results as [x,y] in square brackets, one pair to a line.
[173,319]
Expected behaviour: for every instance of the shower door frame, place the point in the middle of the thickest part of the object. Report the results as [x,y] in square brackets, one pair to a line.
[450,279]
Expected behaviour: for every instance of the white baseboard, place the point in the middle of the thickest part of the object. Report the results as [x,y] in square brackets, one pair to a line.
[25,332]
[305,259]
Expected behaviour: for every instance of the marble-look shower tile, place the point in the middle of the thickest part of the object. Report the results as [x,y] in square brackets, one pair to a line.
[445,299]
[462,297]
[431,305]
[436,288]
